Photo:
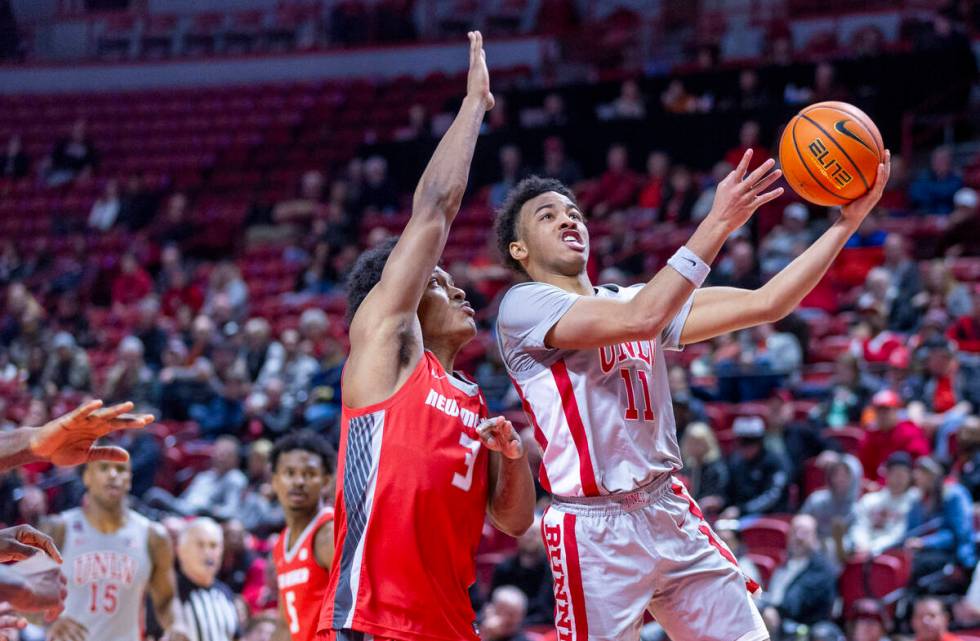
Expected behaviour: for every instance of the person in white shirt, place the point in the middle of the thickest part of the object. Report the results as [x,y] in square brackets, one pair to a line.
[880,516]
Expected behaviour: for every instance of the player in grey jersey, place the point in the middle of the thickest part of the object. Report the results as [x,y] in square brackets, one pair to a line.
[113,556]
[588,364]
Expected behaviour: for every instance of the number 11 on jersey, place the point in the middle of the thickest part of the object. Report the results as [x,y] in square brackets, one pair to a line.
[632,413]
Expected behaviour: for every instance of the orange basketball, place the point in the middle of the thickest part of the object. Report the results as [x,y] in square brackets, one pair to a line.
[829,153]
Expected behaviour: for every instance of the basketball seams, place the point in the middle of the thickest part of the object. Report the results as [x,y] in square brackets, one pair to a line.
[816,180]
[860,118]
[857,169]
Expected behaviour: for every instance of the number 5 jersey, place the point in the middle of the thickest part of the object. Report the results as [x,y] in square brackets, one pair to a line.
[301,581]
[411,502]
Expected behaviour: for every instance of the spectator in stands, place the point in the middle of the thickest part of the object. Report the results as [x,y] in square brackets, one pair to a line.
[73,157]
[869,234]
[679,196]
[296,369]
[174,227]
[748,138]
[105,209]
[215,492]
[888,434]
[803,589]
[616,187]
[132,284]
[749,96]
[557,165]
[962,234]
[149,332]
[511,172]
[968,455]
[905,279]
[67,367]
[966,611]
[880,517]
[138,204]
[939,530]
[738,267]
[265,406]
[676,99]
[867,621]
[419,125]
[259,348]
[688,408]
[834,506]
[933,190]
[240,565]
[620,248]
[704,468]
[707,196]
[528,570]
[966,329]
[145,458]
[930,621]
[226,280]
[871,341]
[129,379]
[553,110]
[378,194]
[729,531]
[942,291]
[629,105]
[503,616]
[15,163]
[308,202]
[652,190]
[762,482]
[787,240]
[224,411]
[319,277]
[825,84]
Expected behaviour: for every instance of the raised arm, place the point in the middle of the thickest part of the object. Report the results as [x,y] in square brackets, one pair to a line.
[385,334]
[594,322]
[719,310]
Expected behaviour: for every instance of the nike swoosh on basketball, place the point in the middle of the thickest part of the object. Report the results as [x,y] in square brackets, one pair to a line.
[841,127]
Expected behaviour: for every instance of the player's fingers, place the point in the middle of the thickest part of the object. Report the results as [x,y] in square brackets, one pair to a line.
[16,551]
[128,422]
[40,540]
[766,181]
[83,410]
[109,454]
[12,621]
[114,411]
[769,196]
[760,171]
[743,165]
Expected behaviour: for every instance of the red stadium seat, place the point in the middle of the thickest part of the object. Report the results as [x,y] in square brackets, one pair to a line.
[766,565]
[848,437]
[765,533]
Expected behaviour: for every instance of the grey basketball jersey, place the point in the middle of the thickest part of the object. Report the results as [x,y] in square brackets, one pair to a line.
[107,576]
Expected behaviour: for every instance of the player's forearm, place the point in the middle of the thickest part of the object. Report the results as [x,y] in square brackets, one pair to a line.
[15,448]
[512,503]
[784,291]
[443,183]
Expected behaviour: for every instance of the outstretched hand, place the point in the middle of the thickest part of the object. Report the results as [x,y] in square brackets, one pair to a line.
[23,541]
[499,435]
[738,196]
[69,439]
[478,80]
[857,210]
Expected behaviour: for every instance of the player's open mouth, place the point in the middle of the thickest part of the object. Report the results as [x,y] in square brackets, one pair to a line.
[573,239]
[468,310]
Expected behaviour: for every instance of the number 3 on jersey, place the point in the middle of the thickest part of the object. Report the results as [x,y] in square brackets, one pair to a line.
[632,413]
[472,446]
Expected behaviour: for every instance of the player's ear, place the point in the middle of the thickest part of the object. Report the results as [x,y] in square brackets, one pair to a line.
[518,250]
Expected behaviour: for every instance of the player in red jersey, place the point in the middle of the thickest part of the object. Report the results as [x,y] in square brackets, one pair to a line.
[302,465]
[419,466]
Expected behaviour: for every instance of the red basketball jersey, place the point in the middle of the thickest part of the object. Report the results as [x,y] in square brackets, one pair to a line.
[411,502]
[302,582]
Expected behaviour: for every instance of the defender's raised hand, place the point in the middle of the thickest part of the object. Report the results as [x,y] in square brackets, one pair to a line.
[478,81]
[738,195]
[499,435]
[68,440]
[22,541]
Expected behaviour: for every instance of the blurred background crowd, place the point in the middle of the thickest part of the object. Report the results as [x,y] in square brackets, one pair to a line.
[186,249]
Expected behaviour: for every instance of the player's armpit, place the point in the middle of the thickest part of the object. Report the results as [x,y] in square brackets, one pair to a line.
[719,310]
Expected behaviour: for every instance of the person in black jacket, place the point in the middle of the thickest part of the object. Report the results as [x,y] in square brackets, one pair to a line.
[14,163]
[528,571]
[803,589]
[759,478]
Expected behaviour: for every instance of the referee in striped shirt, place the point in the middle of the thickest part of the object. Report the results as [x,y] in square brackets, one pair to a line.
[209,605]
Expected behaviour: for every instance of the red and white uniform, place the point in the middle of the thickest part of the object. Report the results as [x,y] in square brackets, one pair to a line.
[411,501]
[604,420]
[302,582]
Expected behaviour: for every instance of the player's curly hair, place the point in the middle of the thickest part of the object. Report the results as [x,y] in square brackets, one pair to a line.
[505,222]
[306,441]
[366,273]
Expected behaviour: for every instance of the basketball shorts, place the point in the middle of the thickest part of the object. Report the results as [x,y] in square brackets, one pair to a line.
[614,557]
[349,635]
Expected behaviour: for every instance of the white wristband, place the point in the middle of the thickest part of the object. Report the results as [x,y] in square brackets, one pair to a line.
[690,266]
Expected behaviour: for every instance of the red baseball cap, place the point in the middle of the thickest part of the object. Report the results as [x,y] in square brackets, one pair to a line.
[887,398]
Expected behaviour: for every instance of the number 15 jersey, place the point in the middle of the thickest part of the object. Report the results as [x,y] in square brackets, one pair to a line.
[602,416]
[411,502]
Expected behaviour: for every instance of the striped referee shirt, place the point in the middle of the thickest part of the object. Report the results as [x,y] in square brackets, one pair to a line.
[209,613]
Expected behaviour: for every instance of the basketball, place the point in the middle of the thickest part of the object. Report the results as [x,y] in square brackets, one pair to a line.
[829,153]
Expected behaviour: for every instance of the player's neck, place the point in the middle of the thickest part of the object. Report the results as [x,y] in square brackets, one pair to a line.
[105,519]
[297,521]
[577,284]
[445,352]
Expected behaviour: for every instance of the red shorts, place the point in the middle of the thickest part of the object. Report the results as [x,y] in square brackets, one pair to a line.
[349,635]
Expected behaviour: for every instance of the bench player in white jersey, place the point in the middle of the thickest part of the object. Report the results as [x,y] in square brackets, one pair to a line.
[623,536]
[113,557]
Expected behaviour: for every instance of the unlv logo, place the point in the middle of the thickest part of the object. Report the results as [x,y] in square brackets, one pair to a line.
[610,355]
